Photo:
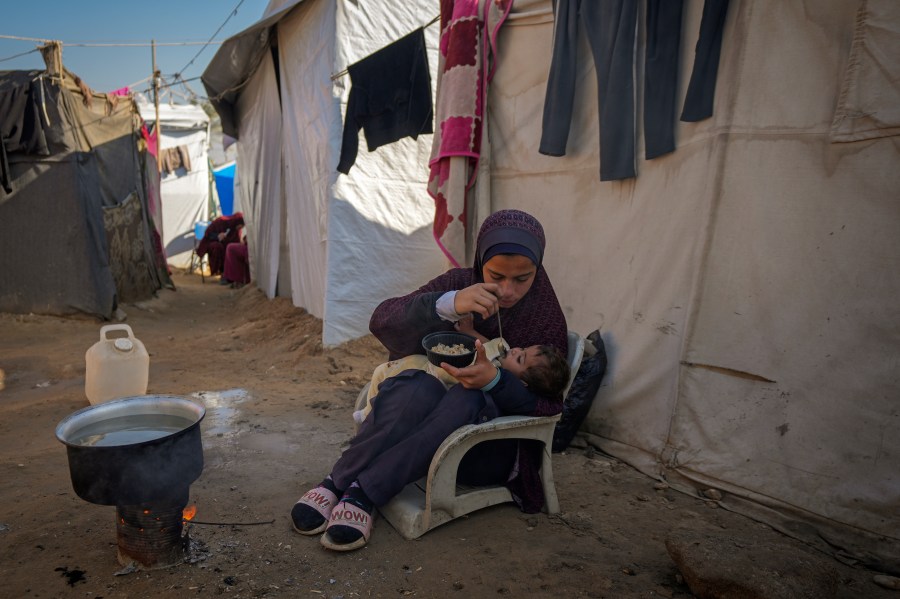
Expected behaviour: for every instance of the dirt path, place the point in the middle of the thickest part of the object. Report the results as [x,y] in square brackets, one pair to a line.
[278,414]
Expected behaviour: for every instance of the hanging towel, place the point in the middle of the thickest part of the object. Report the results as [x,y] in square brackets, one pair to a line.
[390,97]
[465,68]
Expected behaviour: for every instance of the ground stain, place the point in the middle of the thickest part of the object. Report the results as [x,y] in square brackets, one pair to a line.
[221,409]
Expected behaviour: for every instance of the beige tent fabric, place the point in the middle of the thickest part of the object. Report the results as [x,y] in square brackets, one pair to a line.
[745,284]
[869,104]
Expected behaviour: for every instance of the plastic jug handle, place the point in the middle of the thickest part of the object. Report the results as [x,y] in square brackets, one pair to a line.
[115,327]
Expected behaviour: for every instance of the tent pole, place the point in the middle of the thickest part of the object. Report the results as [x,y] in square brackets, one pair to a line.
[156,108]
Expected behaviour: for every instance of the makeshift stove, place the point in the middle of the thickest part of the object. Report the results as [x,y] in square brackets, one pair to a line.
[140,454]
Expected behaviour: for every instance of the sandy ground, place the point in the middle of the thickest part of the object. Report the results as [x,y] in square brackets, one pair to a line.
[279,411]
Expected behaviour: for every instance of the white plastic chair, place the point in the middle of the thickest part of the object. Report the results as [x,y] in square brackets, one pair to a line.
[437,499]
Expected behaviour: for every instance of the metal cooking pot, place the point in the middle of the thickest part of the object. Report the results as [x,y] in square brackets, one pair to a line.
[134,450]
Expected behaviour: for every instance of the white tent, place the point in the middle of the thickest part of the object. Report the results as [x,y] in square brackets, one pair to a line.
[185,192]
[746,284]
[336,244]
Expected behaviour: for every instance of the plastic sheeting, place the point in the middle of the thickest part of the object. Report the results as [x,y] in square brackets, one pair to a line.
[259,175]
[57,254]
[349,241]
[745,285]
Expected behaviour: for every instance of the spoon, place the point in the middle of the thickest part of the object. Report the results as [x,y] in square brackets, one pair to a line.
[502,340]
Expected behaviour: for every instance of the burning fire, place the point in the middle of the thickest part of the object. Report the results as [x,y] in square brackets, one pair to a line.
[189,512]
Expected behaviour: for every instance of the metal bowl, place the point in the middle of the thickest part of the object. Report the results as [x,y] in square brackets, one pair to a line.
[134,450]
[450,338]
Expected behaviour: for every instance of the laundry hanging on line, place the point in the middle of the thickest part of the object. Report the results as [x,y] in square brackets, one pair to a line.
[175,158]
[390,97]
[611,29]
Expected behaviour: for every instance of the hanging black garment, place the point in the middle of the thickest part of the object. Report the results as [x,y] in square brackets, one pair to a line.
[390,97]
[661,76]
[698,101]
[611,27]
[21,128]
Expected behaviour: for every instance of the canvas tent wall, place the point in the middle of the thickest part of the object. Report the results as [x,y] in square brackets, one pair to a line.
[746,284]
[186,196]
[316,235]
[75,230]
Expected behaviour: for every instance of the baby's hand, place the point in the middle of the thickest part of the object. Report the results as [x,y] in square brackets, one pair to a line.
[466,325]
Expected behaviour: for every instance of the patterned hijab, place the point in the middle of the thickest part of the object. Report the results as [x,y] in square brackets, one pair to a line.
[536,318]
[510,232]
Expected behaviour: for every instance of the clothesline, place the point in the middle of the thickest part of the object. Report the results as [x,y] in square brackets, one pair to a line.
[428,24]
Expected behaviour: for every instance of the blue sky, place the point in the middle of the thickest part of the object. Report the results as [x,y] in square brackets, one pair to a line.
[96,21]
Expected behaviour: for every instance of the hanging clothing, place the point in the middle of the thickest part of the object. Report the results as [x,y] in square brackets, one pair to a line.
[21,126]
[176,158]
[390,97]
[611,27]
[698,101]
[661,75]
[467,50]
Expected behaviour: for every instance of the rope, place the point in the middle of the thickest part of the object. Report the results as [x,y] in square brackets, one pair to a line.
[231,14]
[426,25]
[17,55]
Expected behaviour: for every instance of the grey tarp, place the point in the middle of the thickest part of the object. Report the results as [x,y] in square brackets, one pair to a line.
[54,248]
[235,62]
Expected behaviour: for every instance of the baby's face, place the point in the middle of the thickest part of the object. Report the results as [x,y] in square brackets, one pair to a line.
[517,360]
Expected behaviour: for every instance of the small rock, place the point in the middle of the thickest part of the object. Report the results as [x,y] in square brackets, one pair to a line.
[641,497]
[458,585]
[713,494]
[888,582]
[661,486]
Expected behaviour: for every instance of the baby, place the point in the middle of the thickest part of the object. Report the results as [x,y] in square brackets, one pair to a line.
[541,368]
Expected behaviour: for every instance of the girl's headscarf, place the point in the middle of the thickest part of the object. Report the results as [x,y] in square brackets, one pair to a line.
[509,232]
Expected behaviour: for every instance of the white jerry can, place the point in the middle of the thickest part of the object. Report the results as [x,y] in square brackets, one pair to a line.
[116,368]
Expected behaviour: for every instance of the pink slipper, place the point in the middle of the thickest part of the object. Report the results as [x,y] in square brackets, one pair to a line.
[319,499]
[346,514]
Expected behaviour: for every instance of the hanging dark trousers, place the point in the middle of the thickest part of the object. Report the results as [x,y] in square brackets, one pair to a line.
[661,76]
[610,27]
[698,102]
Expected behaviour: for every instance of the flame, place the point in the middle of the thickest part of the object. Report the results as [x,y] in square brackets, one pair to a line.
[189,512]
